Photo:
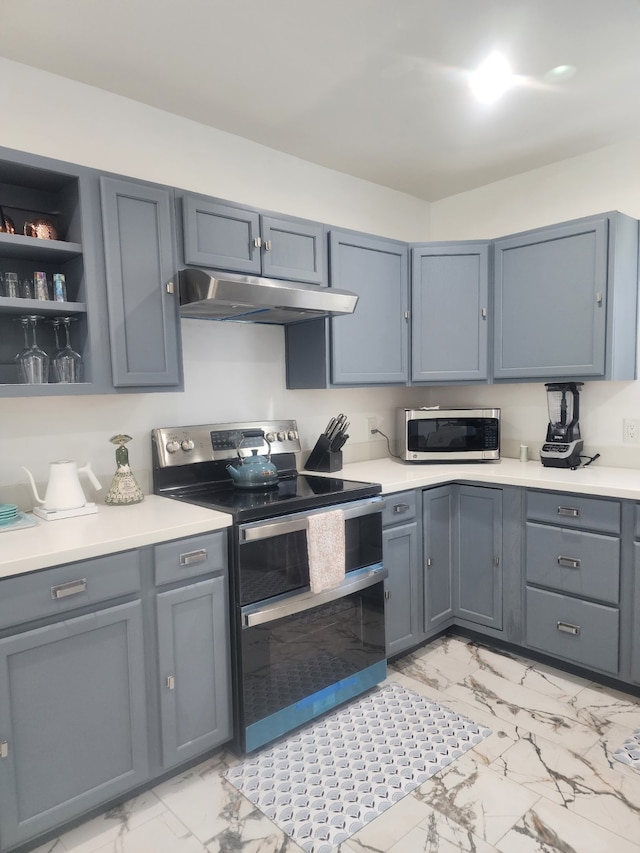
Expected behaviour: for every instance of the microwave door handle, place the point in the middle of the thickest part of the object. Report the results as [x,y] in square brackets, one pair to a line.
[297,522]
[308,600]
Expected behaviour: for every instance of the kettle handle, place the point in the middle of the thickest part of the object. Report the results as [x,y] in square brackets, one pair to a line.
[86,469]
[256,433]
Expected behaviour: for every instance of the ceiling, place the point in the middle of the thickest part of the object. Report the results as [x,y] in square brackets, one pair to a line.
[373,88]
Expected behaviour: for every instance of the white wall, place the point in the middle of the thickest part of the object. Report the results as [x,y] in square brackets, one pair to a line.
[607,179]
[232,371]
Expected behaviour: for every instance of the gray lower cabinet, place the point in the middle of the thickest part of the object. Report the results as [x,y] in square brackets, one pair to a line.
[635,630]
[222,235]
[437,531]
[403,586]
[573,577]
[478,585]
[140,261]
[450,312]
[72,719]
[565,300]
[193,654]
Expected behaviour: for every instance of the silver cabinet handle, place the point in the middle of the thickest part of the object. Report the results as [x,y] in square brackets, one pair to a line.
[71,588]
[4,749]
[171,682]
[193,557]
[567,628]
[267,245]
[398,508]
[170,287]
[429,562]
[257,242]
[483,313]
[569,562]
[599,298]
[571,511]
[387,594]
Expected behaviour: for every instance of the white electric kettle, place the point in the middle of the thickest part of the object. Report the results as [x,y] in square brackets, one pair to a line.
[64,491]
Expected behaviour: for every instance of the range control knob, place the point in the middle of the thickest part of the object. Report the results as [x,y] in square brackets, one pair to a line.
[173,446]
[270,436]
[292,434]
[187,445]
[282,436]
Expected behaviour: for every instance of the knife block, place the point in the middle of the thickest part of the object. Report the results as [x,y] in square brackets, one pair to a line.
[322,458]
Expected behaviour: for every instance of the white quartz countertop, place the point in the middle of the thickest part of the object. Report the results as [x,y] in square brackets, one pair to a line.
[111,529]
[396,476]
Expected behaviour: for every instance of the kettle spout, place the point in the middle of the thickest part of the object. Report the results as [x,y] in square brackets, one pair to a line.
[86,469]
[36,496]
[233,471]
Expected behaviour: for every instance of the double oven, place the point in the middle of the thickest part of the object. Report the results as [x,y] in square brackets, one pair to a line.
[295,653]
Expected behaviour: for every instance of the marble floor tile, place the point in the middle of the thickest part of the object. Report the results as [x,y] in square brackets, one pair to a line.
[388,828]
[602,707]
[549,828]
[162,834]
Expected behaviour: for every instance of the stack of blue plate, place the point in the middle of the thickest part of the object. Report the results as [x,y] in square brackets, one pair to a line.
[8,513]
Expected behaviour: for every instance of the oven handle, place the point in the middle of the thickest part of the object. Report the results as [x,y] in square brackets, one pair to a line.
[291,524]
[308,600]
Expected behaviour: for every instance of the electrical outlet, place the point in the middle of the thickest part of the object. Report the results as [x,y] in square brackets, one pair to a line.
[631,431]
[372,424]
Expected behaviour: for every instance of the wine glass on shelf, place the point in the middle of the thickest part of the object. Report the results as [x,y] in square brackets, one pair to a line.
[67,363]
[33,361]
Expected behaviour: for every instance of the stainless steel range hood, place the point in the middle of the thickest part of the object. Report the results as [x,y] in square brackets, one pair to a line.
[214,295]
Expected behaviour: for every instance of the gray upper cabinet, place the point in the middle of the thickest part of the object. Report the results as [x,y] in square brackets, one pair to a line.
[566,299]
[224,236]
[140,265]
[478,586]
[450,312]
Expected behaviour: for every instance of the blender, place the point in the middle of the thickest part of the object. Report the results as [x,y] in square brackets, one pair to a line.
[563,445]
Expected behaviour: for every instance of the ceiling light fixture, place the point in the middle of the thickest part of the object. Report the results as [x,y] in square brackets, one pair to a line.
[492,78]
[560,72]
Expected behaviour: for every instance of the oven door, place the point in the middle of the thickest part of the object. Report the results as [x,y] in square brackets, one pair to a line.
[272,556]
[303,654]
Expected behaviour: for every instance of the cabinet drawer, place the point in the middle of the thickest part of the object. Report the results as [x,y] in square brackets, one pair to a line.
[46,593]
[574,511]
[636,526]
[399,507]
[586,564]
[188,558]
[576,630]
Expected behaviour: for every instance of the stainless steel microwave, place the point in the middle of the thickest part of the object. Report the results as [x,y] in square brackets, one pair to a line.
[448,435]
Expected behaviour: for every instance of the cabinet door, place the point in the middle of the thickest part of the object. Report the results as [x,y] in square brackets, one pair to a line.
[551,302]
[479,580]
[400,555]
[635,636]
[438,556]
[221,236]
[137,222]
[72,711]
[449,316]
[293,249]
[370,346]
[193,642]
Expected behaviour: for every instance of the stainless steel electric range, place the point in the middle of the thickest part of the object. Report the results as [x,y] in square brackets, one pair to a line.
[295,654]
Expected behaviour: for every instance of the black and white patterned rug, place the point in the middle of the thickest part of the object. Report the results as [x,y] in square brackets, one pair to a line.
[330,778]
[629,752]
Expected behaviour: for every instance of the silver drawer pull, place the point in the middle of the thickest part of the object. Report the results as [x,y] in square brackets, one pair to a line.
[566,628]
[568,562]
[571,511]
[71,588]
[193,557]
[398,508]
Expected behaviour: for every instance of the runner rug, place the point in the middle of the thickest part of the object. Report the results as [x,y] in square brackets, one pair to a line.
[326,781]
[629,752]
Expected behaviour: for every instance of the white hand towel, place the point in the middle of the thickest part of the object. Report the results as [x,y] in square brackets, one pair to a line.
[326,549]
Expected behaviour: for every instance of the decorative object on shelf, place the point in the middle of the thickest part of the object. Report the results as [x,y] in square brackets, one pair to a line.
[59,287]
[6,223]
[66,364]
[42,228]
[10,285]
[40,287]
[26,289]
[32,362]
[124,488]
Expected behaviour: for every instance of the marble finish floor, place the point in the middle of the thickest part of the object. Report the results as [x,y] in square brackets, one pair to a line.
[546,780]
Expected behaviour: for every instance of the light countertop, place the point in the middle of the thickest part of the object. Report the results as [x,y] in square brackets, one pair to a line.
[111,529]
[396,476]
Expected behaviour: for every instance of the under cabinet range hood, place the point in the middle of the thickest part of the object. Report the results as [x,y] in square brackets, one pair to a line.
[214,295]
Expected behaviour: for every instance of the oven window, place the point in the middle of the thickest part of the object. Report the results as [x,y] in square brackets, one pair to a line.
[292,658]
[446,434]
[268,567]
